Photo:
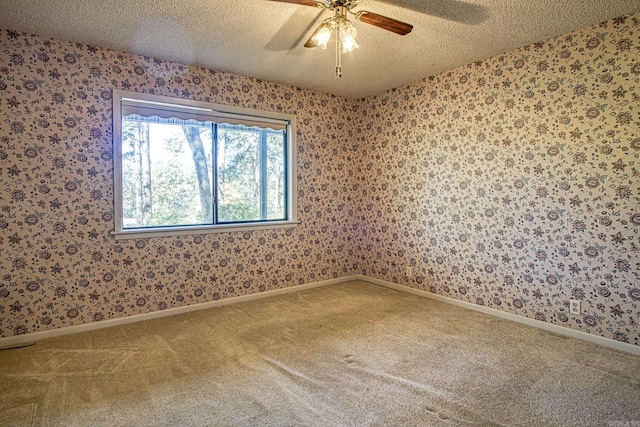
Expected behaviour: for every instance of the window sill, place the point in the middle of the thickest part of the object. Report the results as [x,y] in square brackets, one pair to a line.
[184,231]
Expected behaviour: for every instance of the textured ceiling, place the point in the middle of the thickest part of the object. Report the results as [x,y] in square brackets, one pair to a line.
[264,39]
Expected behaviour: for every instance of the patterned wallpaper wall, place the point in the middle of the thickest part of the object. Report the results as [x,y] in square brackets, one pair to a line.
[514,182]
[511,183]
[60,266]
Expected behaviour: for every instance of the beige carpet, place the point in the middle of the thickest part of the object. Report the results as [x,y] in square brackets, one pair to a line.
[349,354]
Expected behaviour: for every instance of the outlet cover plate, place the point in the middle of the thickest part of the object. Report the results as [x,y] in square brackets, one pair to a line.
[574,306]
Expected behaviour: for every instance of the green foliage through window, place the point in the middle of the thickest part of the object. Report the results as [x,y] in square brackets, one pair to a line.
[178,172]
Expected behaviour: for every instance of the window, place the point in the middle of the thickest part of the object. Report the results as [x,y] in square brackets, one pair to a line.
[186,167]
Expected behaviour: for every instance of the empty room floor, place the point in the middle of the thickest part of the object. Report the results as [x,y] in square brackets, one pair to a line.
[346,354]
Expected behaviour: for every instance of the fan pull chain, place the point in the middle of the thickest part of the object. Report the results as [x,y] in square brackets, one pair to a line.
[338,54]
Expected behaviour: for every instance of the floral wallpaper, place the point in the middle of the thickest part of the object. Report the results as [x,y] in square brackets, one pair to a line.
[59,264]
[510,183]
[514,182]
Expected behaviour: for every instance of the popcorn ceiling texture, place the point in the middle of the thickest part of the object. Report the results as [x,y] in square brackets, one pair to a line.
[512,183]
[270,35]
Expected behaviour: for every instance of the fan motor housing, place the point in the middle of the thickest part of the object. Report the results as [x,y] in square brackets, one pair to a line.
[349,4]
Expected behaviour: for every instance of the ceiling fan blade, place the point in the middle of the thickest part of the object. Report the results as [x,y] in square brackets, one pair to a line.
[300,2]
[310,42]
[384,22]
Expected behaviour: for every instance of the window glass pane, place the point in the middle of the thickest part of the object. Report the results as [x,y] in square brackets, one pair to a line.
[166,172]
[276,176]
[238,161]
[189,167]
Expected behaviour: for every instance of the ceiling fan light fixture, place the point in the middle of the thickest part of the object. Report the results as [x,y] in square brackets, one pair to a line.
[322,37]
[348,47]
[348,35]
[345,31]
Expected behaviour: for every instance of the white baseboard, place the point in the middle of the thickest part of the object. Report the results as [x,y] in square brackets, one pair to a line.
[18,340]
[561,330]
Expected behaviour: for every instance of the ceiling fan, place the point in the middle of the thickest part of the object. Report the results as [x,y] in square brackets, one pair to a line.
[345,32]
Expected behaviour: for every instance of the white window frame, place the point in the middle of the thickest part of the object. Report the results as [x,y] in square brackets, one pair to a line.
[200,109]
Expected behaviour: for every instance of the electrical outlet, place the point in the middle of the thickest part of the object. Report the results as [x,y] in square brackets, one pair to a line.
[574,306]
[409,272]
